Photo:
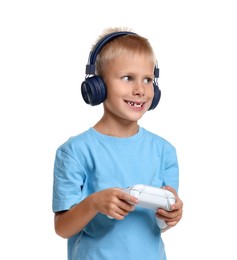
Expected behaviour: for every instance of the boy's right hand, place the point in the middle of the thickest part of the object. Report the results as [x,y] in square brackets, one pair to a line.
[114,202]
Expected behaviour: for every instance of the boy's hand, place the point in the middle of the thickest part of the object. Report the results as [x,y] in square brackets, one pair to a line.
[114,202]
[171,217]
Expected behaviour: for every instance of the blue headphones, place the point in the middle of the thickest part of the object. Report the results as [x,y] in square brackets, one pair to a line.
[93,88]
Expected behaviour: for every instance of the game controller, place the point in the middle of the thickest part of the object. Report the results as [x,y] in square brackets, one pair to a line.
[151,197]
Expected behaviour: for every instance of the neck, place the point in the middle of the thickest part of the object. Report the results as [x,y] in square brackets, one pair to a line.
[116,129]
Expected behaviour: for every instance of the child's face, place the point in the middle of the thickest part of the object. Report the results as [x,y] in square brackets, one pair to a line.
[129,83]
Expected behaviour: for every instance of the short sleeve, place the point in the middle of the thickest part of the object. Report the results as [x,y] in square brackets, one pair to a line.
[68,180]
[171,168]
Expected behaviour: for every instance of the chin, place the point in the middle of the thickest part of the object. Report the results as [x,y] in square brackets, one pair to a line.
[135,118]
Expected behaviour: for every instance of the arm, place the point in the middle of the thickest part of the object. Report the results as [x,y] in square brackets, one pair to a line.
[171,183]
[112,202]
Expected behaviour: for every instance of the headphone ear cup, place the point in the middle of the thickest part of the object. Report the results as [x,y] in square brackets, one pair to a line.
[93,90]
[156,98]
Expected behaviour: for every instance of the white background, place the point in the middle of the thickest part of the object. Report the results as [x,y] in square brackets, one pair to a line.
[44,48]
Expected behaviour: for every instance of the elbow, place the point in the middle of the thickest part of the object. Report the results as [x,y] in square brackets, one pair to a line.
[60,232]
[59,226]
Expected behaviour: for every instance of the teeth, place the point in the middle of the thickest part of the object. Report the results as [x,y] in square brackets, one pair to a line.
[135,104]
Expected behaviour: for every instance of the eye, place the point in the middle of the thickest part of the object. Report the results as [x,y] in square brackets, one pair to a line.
[148,80]
[127,78]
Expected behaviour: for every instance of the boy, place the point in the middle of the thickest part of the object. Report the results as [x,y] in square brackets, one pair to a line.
[92,168]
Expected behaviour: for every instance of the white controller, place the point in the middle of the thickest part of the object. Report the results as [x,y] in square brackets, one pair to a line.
[152,198]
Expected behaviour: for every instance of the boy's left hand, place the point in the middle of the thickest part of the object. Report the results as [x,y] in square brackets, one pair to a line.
[171,217]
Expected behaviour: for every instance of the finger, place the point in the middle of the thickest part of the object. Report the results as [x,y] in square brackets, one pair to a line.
[178,205]
[128,198]
[165,215]
[127,207]
[169,188]
[122,212]
[171,223]
[168,214]
[118,214]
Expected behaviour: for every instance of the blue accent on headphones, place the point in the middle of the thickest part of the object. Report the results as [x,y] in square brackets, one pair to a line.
[93,88]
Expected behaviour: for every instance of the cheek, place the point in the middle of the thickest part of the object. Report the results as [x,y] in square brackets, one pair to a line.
[150,92]
[116,90]
[111,97]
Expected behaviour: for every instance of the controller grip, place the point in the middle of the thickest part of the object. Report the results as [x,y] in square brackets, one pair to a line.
[161,223]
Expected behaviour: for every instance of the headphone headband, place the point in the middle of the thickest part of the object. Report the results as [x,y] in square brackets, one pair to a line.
[90,67]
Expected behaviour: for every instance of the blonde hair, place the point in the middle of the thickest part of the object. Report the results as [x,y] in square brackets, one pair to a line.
[129,44]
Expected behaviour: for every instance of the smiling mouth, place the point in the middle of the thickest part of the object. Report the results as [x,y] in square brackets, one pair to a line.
[135,104]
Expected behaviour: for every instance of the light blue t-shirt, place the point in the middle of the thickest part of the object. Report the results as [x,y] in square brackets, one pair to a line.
[90,162]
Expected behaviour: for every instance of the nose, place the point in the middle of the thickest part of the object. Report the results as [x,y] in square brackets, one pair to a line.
[138,89]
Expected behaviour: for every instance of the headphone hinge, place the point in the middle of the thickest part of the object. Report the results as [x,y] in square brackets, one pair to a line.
[90,69]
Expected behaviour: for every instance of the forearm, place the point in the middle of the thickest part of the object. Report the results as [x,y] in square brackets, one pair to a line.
[72,221]
[113,202]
